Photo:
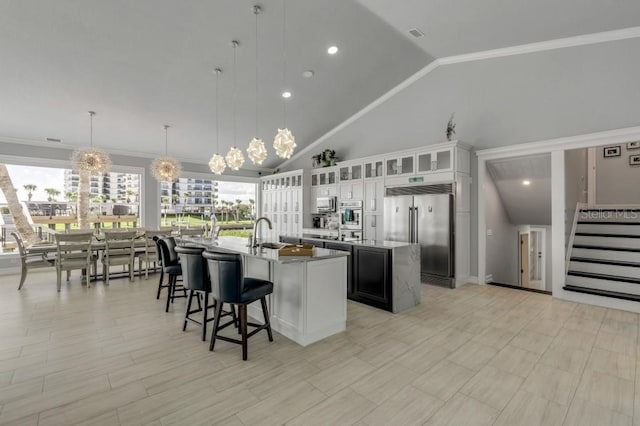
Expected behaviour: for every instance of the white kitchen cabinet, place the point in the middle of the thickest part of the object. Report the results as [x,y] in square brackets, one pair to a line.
[400,165]
[373,227]
[348,172]
[328,191]
[374,168]
[374,196]
[351,191]
[435,161]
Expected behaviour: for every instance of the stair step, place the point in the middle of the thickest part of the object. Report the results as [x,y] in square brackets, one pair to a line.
[609,228]
[614,241]
[588,281]
[606,235]
[604,254]
[604,222]
[594,247]
[606,261]
[606,269]
[607,277]
[607,293]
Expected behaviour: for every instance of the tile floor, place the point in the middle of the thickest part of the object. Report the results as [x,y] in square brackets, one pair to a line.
[478,355]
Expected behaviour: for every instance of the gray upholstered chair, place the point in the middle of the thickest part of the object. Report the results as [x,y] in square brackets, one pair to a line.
[30,260]
[119,249]
[73,252]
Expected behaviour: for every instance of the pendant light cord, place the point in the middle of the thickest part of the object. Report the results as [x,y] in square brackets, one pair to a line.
[166,140]
[235,61]
[256,11]
[91,114]
[284,57]
[217,122]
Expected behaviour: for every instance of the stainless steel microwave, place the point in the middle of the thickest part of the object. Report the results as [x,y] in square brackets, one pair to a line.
[326,204]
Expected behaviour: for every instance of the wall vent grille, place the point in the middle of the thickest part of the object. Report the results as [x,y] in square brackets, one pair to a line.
[443,188]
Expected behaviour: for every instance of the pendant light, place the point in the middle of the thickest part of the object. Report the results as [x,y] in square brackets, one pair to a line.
[284,143]
[166,169]
[92,160]
[235,157]
[217,163]
[256,152]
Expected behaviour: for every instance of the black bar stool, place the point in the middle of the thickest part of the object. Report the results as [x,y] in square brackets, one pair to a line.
[196,279]
[161,284]
[228,285]
[171,266]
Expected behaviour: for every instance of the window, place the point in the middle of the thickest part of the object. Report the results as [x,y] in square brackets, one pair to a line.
[48,196]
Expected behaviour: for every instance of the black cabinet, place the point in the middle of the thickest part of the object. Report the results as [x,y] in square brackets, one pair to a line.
[334,245]
[372,279]
[289,240]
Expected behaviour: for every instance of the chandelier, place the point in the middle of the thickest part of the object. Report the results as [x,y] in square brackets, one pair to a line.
[235,157]
[165,168]
[217,163]
[256,151]
[92,160]
[284,142]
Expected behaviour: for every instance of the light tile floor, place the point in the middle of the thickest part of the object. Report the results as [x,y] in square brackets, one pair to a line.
[477,355]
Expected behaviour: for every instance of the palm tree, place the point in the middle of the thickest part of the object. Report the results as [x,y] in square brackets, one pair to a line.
[252,205]
[53,193]
[29,188]
[236,211]
[15,208]
[130,193]
[71,196]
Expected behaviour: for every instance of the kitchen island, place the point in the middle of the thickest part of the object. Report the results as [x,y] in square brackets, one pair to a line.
[383,274]
[309,300]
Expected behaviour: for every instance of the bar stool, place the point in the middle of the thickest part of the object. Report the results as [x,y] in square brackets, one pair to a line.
[228,285]
[170,266]
[196,280]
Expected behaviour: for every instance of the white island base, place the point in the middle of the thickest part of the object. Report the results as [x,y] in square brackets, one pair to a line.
[309,300]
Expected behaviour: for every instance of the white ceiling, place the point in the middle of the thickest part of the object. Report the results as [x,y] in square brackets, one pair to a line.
[141,64]
[462,26]
[525,205]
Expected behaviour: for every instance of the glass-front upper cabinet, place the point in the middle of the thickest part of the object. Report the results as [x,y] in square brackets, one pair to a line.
[397,166]
[435,161]
[373,169]
[314,180]
[350,172]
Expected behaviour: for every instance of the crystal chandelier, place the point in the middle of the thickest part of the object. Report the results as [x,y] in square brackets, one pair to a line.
[235,157]
[284,143]
[217,163]
[92,160]
[165,168]
[256,151]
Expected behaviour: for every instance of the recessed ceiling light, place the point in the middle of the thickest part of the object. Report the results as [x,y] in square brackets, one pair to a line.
[286,95]
[308,74]
[332,50]
[526,182]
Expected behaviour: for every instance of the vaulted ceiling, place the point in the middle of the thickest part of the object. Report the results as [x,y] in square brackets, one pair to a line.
[141,64]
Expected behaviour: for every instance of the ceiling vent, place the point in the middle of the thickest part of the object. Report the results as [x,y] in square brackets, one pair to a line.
[416,33]
[53,140]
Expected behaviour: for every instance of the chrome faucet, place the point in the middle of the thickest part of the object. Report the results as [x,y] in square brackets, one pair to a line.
[254,242]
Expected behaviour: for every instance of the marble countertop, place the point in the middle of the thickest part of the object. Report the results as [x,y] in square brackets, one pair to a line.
[368,243]
[239,245]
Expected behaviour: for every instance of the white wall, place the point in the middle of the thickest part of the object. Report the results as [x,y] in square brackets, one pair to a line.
[575,166]
[617,182]
[502,244]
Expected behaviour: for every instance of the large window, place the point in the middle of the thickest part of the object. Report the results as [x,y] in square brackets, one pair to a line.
[190,202]
[48,198]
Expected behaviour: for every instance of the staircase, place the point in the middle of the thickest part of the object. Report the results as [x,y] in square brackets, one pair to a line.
[604,257]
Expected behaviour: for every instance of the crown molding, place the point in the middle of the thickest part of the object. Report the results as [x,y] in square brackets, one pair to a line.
[561,43]
[126,153]
[608,137]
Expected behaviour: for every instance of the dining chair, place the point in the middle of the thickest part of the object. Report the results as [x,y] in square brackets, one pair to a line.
[73,251]
[150,253]
[171,267]
[119,249]
[30,260]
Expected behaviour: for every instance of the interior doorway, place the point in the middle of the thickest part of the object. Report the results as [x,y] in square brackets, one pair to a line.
[532,255]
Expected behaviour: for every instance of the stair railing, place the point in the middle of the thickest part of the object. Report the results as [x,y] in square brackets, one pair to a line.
[576,217]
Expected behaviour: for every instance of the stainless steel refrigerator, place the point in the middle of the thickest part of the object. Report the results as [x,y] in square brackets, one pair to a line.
[428,220]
